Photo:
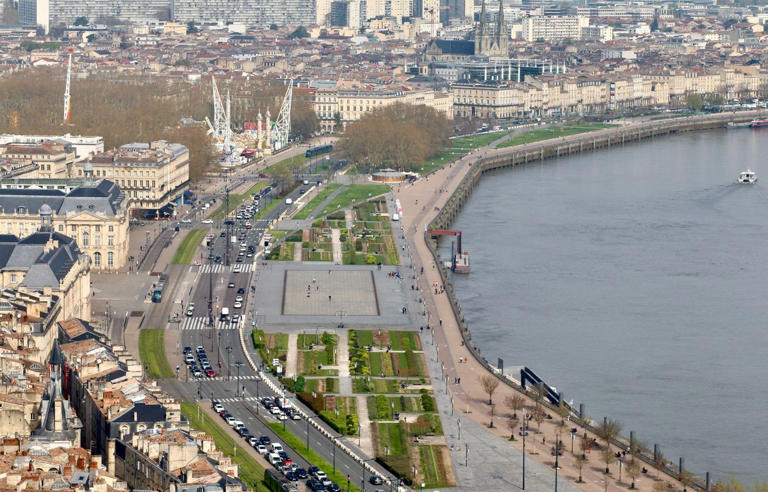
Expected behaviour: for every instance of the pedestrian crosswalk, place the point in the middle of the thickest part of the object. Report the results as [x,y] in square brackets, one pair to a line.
[201,323]
[219,268]
[234,399]
[243,377]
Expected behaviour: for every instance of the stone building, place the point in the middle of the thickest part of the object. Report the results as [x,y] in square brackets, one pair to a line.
[94,213]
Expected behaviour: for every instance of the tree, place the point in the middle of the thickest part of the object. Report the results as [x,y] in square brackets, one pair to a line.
[563,411]
[304,122]
[512,425]
[585,444]
[581,460]
[273,27]
[633,471]
[337,121]
[91,38]
[493,407]
[538,415]
[300,32]
[515,403]
[694,102]
[489,384]
[283,176]
[608,430]
[81,21]
[655,24]
[660,461]
[192,28]
[607,456]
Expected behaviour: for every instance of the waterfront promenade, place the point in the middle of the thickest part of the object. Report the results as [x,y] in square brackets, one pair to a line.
[421,202]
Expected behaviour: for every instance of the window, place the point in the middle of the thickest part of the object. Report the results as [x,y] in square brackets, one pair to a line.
[97,259]
[61,228]
[111,228]
[97,240]
[110,259]
[98,228]
[73,228]
[110,240]
[13,278]
[85,240]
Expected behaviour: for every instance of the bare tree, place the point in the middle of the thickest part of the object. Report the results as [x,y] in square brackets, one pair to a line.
[515,403]
[608,430]
[581,460]
[512,425]
[660,461]
[633,470]
[489,383]
[607,456]
[538,415]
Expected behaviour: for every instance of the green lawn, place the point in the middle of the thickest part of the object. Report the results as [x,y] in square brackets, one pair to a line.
[235,200]
[270,346]
[306,211]
[352,195]
[392,435]
[320,386]
[264,211]
[459,147]
[378,385]
[292,163]
[553,132]
[432,466]
[381,407]
[310,455]
[186,250]
[250,471]
[152,353]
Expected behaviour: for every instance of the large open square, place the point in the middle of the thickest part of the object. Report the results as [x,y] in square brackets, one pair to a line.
[329,292]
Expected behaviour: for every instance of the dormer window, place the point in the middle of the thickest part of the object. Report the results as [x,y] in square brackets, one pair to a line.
[21,210]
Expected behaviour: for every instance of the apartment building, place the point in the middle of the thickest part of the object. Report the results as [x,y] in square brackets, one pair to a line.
[94,213]
[247,12]
[46,160]
[49,13]
[346,106]
[553,28]
[82,145]
[152,175]
[487,101]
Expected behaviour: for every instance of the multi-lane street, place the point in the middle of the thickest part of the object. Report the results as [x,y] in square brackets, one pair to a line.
[210,303]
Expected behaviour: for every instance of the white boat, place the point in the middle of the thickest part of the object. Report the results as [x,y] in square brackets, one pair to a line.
[747,177]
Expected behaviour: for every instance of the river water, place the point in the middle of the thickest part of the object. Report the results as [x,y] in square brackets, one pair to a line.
[634,280]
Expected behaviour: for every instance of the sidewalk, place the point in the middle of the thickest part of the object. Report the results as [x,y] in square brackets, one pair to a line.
[469,397]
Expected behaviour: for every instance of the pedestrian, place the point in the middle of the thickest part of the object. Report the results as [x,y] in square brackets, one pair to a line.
[329,298]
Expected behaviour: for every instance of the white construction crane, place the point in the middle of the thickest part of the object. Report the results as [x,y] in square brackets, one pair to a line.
[281,128]
[67,104]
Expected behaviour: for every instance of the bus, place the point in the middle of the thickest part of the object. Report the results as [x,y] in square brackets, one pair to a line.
[321,149]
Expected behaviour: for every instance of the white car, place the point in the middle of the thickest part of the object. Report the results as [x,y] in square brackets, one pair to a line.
[206,221]
[186,221]
[281,416]
[237,305]
[239,298]
[262,449]
[274,410]
[231,420]
[276,447]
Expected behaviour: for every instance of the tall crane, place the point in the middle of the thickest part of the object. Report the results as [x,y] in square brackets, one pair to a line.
[431,12]
[67,103]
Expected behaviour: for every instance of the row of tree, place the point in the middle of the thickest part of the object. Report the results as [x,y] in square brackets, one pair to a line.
[126,109]
[400,136]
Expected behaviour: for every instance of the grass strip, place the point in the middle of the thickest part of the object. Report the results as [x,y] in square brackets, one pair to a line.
[353,194]
[267,208]
[250,471]
[152,353]
[236,200]
[316,201]
[553,132]
[310,455]
[186,250]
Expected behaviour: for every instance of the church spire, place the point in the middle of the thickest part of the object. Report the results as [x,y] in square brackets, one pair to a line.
[480,31]
[500,27]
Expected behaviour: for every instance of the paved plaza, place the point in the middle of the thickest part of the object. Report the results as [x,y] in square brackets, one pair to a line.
[328,292]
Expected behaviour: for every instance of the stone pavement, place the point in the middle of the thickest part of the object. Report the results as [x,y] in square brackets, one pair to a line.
[366,436]
[336,246]
[292,356]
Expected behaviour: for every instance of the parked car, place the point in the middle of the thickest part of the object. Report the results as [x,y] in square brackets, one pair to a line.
[376,480]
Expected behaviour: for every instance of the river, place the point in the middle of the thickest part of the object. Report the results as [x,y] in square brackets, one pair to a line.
[633,280]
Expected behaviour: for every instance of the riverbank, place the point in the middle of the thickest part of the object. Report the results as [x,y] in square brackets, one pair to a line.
[447,189]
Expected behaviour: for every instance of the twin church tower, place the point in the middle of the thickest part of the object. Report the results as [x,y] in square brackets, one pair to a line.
[492,40]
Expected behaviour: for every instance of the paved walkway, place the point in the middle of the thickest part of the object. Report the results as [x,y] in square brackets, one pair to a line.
[325,202]
[342,361]
[297,252]
[336,246]
[292,356]
[348,219]
[468,396]
[366,436]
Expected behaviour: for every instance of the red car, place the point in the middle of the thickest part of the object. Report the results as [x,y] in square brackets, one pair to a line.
[210,373]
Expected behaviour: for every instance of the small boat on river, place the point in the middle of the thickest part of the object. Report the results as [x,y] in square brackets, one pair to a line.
[747,177]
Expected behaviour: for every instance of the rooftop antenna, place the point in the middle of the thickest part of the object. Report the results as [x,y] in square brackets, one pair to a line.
[67,103]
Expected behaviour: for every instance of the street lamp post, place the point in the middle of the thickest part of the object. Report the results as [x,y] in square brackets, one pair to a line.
[525,432]
[229,367]
[557,455]
[238,364]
